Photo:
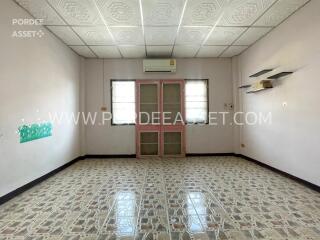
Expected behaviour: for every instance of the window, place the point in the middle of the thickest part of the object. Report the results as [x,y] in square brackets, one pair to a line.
[196,101]
[123,102]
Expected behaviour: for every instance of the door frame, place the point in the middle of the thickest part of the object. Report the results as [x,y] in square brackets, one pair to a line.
[160,128]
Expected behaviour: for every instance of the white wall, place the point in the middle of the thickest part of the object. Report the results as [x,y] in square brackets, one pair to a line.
[291,143]
[109,139]
[36,74]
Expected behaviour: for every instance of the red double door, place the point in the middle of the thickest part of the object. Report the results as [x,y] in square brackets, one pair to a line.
[160,128]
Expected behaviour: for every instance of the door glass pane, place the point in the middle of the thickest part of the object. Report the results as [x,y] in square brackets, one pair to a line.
[172,143]
[171,102]
[149,104]
[149,93]
[149,143]
[171,93]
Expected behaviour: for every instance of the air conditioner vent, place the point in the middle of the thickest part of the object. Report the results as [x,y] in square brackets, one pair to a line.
[159,65]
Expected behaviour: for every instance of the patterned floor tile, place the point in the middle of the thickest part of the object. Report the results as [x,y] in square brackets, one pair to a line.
[205,198]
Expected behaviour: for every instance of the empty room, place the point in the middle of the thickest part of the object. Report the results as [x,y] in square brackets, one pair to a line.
[159,119]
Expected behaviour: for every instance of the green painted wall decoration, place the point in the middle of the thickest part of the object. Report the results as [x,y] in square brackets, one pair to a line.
[35,131]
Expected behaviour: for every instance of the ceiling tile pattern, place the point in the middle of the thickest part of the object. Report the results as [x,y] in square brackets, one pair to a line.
[160,35]
[94,35]
[162,12]
[202,12]
[106,51]
[192,35]
[133,51]
[159,51]
[128,35]
[245,12]
[120,12]
[279,12]
[224,35]
[252,35]
[77,12]
[233,51]
[185,51]
[42,10]
[66,34]
[160,28]
[210,51]
[83,51]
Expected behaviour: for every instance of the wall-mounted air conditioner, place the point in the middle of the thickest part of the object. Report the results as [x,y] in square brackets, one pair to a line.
[159,65]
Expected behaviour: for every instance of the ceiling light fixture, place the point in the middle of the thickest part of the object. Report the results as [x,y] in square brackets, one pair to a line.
[213,28]
[182,15]
[141,15]
[106,25]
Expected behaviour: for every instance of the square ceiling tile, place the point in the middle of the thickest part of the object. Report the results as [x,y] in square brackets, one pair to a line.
[94,35]
[211,51]
[159,51]
[120,12]
[106,51]
[66,35]
[244,12]
[77,12]
[252,35]
[133,51]
[224,35]
[160,35]
[234,51]
[83,51]
[185,51]
[162,12]
[203,12]
[192,35]
[41,10]
[279,12]
[128,35]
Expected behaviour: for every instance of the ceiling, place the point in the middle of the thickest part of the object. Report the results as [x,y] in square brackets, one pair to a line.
[160,28]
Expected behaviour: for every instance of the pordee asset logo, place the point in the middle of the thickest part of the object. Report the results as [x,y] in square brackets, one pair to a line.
[27,33]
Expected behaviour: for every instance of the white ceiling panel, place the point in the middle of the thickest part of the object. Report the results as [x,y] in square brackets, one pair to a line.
[120,12]
[42,10]
[185,51]
[83,51]
[106,51]
[77,12]
[94,35]
[128,35]
[244,12]
[162,12]
[203,12]
[133,51]
[252,35]
[127,28]
[211,51]
[192,35]
[224,35]
[234,51]
[66,34]
[279,12]
[159,51]
[160,35]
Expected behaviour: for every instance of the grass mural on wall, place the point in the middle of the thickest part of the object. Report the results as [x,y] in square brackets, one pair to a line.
[35,131]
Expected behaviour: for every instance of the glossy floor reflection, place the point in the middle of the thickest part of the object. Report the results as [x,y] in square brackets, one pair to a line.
[190,198]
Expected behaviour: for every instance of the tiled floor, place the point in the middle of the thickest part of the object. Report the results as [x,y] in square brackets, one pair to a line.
[191,198]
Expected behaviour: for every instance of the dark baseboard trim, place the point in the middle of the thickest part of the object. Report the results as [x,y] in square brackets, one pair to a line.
[110,156]
[288,175]
[208,154]
[31,184]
